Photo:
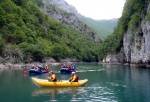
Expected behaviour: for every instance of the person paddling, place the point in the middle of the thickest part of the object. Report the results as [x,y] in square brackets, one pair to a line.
[52,77]
[74,77]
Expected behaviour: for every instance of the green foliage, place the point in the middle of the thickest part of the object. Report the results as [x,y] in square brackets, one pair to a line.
[24,25]
[135,18]
[39,2]
[2,44]
[19,2]
[60,51]
[147,17]
[103,28]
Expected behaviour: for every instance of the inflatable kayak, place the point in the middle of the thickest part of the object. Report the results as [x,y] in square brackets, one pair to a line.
[61,83]
[39,71]
[66,70]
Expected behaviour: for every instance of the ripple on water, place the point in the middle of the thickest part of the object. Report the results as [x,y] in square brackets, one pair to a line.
[91,70]
[116,84]
[97,93]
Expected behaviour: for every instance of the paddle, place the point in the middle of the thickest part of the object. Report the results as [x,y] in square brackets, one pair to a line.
[49,78]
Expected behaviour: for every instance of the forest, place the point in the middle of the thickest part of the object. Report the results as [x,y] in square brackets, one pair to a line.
[27,34]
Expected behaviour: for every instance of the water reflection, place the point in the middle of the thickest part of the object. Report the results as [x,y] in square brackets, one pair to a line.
[53,92]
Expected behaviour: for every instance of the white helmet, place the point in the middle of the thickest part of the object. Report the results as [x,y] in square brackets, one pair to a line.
[73,72]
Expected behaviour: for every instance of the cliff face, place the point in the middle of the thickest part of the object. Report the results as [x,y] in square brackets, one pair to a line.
[136,42]
[68,15]
[63,5]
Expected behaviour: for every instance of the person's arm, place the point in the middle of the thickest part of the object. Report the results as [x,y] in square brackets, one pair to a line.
[70,78]
[53,77]
[74,78]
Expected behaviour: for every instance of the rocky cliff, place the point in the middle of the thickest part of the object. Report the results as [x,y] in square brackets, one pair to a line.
[68,15]
[63,5]
[136,42]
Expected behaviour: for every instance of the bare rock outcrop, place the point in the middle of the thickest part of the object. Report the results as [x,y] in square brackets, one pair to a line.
[66,14]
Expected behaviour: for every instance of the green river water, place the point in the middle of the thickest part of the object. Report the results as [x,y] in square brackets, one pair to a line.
[107,83]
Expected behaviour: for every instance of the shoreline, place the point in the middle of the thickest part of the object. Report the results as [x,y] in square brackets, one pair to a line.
[49,62]
[28,65]
[128,64]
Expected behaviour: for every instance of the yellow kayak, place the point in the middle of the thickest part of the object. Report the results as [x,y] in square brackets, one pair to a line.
[62,83]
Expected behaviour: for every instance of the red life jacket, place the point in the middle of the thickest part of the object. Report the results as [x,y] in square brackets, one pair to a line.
[77,78]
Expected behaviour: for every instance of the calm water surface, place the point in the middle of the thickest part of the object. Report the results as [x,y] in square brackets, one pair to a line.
[107,83]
